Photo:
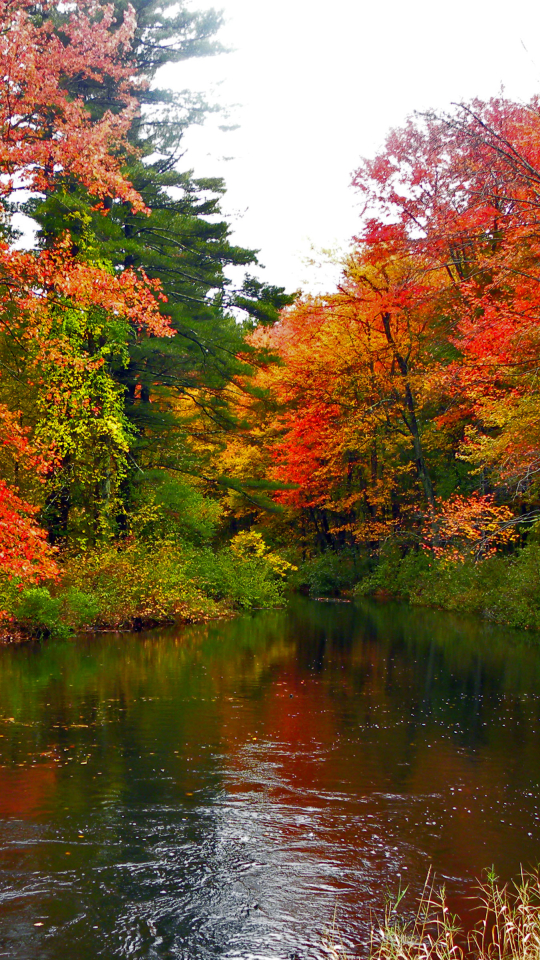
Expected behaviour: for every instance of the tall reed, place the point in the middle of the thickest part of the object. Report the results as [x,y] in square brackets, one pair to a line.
[508,927]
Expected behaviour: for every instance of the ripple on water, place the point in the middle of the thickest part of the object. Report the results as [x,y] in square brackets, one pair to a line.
[167,797]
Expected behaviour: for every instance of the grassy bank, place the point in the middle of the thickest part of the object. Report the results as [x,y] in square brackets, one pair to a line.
[132,585]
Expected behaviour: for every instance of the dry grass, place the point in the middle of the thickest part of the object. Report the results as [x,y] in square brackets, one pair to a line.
[508,927]
[332,942]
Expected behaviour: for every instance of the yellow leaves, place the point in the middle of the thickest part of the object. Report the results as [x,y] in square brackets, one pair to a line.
[148,514]
[279,565]
[250,545]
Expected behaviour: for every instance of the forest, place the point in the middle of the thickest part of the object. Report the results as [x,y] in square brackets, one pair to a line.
[176,445]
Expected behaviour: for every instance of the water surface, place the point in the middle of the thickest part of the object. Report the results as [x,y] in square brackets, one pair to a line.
[220,790]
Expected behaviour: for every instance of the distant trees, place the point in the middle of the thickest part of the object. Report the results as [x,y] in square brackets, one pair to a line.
[410,393]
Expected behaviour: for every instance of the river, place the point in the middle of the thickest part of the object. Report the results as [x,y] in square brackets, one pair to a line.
[224,790]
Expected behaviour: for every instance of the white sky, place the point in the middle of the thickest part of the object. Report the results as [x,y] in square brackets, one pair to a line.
[314,86]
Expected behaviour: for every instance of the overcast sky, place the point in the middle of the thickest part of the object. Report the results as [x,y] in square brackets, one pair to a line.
[315,86]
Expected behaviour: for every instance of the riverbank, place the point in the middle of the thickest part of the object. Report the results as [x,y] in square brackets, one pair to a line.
[501,589]
[134,586]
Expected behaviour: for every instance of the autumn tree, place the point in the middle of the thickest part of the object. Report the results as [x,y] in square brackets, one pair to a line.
[406,398]
[462,191]
[65,317]
[354,401]
[179,237]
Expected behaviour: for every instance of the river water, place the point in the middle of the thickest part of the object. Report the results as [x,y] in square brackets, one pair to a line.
[224,790]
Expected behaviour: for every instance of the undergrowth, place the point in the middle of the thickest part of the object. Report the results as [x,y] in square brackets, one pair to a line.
[508,925]
[504,589]
[142,583]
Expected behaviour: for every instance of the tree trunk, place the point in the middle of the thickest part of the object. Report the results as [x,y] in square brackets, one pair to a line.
[409,416]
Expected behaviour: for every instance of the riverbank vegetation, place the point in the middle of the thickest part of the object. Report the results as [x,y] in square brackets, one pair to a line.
[507,926]
[175,445]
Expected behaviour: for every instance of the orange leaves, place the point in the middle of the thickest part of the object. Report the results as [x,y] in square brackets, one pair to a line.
[23,548]
[473,525]
[12,436]
[39,283]
[348,376]
[131,295]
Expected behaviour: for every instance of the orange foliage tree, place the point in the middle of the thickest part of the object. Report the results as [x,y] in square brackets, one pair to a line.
[352,399]
[462,191]
[408,397]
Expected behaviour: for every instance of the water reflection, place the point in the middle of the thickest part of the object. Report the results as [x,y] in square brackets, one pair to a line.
[216,791]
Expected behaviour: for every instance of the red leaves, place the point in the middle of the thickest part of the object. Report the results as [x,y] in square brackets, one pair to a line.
[458,196]
[23,548]
[63,313]
[306,456]
[45,131]
[39,283]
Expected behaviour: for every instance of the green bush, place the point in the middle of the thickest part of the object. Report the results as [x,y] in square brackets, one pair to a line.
[327,574]
[39,613]
[498,588]
[79,609]
[246,572]
[168,508]
[512,588]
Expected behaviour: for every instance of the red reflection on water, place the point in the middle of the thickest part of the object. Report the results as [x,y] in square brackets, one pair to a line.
[23,792]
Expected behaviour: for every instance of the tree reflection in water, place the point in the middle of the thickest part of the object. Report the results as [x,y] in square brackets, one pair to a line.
[216,790]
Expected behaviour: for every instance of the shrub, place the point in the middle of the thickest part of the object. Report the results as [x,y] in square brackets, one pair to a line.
[247,572]
[328,574]
[39,613]
[138,582]
[168,508]
[79,609]
[169,580]
[502,589]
